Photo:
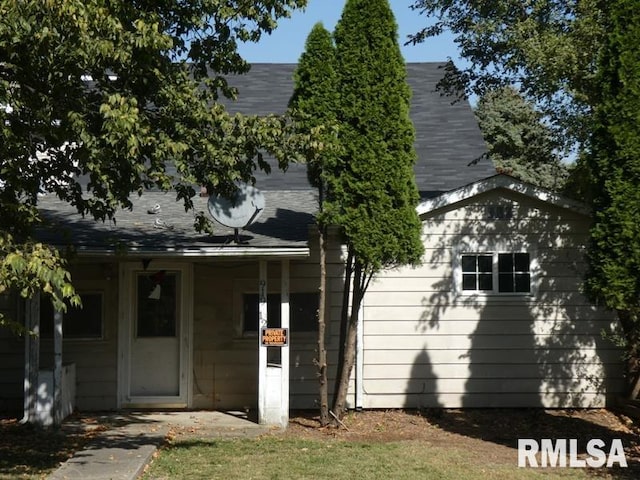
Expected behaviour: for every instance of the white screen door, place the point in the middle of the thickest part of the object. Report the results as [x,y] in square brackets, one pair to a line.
[156,347]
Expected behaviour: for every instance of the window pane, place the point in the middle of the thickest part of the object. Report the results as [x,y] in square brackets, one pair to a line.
[303,307]
[7,301]
[505,282]
[522,262]
[85,322]
[485,263]
[250,311]
[469,263]
[523,282]
[304,312]
[485,282]
[157,313]
[468,281]
[505,262]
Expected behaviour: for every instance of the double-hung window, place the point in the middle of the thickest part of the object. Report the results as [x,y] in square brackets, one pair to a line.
[495,273]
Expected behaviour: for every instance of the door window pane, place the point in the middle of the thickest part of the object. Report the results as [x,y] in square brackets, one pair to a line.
[157,304]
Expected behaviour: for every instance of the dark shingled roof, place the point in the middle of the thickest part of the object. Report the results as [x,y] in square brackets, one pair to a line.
[283,224]
[448,138]
[448,141]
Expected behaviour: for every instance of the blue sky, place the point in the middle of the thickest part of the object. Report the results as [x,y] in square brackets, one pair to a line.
[286,43]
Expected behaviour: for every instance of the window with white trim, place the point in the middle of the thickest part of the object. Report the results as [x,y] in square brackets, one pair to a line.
[496,272]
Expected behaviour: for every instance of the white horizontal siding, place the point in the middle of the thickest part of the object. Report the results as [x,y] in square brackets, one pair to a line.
[487,400]
[462,371]
[436,356]
[226,364]
[540,329]
[427,346]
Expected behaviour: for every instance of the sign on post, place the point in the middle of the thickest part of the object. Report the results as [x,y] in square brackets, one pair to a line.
[274,337]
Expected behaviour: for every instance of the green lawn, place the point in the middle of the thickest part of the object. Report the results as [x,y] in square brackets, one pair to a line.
[280,458]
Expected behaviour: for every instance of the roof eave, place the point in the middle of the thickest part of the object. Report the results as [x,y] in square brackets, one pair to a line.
[202,252]
[505,182]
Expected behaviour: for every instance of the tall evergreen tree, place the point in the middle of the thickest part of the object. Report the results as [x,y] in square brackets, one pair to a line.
[614,258]
[519,142]
[371,191]
[313,104]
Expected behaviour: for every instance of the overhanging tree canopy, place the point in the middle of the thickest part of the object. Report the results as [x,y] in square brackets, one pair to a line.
[547,48]
[114,91]
[614,162]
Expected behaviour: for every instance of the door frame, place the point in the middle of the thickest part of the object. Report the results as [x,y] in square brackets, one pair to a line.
[126,326]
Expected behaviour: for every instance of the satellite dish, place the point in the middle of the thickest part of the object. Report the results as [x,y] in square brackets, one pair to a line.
[239,210]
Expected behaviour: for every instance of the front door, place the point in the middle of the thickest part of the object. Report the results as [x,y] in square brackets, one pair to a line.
[157,343]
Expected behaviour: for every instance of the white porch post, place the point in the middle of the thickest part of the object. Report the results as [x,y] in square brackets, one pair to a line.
[359,393]
[262,350]
[57,368]
[31,357]
[284,318]
[273,379]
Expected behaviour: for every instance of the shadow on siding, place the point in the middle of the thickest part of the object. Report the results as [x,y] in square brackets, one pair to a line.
[543,350]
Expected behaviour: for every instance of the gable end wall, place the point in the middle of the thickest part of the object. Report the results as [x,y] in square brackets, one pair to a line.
[427,345]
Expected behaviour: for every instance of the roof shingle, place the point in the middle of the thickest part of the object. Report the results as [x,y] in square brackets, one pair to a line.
[448,141]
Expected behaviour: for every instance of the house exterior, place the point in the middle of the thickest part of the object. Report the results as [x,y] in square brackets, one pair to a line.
[493,318]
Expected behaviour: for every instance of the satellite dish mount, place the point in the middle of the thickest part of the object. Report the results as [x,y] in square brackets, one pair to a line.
[239,210]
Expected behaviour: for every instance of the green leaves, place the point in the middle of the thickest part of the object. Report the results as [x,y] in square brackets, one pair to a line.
[356,98]
[114,92]
[371,191]
[613,278]
[519,142]
[31,267]
[315,100]
[548,48]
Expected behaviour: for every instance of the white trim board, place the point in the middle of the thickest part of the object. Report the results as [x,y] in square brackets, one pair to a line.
[208,252]
[500,181]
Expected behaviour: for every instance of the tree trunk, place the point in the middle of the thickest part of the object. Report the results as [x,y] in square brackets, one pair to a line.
[632,366]
[347,360]
[344,317]
[322,350]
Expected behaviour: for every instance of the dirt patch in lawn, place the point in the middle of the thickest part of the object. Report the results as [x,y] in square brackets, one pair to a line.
[489,435]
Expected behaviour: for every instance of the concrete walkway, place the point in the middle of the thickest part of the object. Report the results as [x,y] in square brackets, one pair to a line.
[123,451]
